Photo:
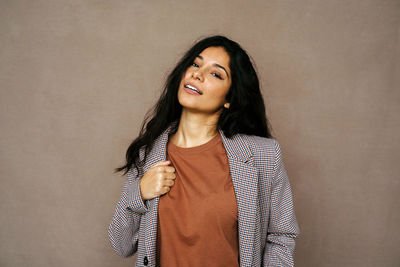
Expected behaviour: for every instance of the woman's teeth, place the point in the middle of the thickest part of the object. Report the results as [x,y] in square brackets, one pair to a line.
[193,88]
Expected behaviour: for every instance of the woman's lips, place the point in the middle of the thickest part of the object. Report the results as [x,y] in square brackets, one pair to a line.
[189,91]
[190,88]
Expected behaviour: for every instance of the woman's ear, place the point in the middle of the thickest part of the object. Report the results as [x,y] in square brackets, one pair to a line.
[226,105]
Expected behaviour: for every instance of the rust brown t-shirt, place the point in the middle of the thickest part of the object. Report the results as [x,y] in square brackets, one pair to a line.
[197,218]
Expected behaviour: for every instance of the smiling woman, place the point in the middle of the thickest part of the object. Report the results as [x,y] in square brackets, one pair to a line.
[206,82]
[205,181]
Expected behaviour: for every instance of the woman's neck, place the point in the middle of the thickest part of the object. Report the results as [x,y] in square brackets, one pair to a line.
[194,129]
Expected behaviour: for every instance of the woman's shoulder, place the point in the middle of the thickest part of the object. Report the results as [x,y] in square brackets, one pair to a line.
[261,146]
[259,141]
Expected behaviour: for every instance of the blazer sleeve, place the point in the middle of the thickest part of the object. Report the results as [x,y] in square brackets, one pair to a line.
[124,226]
[282,227]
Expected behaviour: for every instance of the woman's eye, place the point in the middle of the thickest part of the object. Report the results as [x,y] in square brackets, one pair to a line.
[195,65]
[217,75]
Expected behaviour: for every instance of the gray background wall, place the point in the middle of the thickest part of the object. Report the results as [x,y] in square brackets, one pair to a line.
[77,77]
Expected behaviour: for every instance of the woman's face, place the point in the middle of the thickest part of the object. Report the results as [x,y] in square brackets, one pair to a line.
[206,82]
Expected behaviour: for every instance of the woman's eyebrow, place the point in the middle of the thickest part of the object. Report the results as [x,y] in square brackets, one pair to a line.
[217,65]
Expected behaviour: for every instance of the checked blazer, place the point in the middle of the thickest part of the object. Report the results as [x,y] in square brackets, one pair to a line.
[267,223]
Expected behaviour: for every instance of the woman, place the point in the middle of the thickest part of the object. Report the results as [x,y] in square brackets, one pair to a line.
[206,184]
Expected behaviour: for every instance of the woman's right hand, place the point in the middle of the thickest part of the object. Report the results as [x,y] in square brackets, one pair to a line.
[157,180]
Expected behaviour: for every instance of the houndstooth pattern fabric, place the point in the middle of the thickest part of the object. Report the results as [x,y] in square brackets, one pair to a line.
[267,223]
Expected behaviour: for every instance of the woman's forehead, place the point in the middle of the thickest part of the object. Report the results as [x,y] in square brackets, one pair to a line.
[216,55]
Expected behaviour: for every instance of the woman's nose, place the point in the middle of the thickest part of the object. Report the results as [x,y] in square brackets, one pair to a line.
[197,75]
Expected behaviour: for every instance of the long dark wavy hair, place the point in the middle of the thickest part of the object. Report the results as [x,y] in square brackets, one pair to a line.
[246,114]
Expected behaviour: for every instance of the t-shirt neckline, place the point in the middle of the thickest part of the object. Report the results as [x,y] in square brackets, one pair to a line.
[195,149]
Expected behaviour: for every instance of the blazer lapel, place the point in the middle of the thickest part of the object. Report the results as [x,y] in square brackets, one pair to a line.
[158,153]
[245,183]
